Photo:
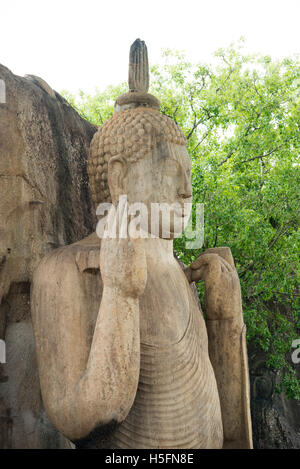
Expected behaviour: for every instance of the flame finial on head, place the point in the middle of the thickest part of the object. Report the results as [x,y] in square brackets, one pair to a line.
[138,73]
[138,81]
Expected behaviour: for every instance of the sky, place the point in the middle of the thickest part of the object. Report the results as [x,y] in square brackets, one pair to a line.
[85,44]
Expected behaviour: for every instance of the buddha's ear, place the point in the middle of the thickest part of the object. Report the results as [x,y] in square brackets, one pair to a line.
[117,169]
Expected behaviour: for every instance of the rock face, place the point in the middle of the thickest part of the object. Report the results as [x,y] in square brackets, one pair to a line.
[275,419]
[44,204]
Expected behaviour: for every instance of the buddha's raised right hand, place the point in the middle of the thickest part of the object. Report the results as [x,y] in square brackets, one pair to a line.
[123,260]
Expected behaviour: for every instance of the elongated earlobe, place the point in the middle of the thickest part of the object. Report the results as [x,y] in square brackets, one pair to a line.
[117,169]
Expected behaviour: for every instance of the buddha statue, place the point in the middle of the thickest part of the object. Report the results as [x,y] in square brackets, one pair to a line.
[126,358]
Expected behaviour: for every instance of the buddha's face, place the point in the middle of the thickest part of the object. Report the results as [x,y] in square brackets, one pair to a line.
[162,176]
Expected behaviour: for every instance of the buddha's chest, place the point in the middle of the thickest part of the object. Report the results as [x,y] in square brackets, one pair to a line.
[165,306]
[177,403]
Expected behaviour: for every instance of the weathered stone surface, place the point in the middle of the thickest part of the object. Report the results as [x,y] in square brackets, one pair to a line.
[44,204]
[275,419]
[125,357]
[138,73]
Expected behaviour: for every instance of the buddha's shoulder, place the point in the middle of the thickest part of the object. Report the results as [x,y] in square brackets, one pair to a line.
[67,285]
[79,257]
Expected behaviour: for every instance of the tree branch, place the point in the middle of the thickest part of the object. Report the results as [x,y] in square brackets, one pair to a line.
[227,157]
[262,156]
[203,138]
[280,232]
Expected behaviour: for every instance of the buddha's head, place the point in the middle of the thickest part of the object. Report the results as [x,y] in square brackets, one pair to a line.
[140,153]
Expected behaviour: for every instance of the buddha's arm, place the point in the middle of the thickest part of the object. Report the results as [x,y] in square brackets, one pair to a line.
[227,342]
[86,384]
[228,355]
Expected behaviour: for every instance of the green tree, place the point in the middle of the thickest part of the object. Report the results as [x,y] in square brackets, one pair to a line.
[241,118]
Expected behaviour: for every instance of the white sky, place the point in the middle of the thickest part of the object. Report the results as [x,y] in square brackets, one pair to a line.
[83,44]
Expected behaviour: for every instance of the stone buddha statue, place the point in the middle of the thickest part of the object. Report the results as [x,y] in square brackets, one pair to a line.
[126,358]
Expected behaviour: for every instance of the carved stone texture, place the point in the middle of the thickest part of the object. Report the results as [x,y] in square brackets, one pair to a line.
[138,73]
[124,353]
[138,81]
[44,204]
[130,135]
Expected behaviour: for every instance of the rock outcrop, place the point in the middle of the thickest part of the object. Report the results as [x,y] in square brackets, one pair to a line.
[275,419]
[44,204]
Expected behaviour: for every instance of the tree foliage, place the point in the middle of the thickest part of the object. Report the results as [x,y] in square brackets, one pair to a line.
[242,120]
